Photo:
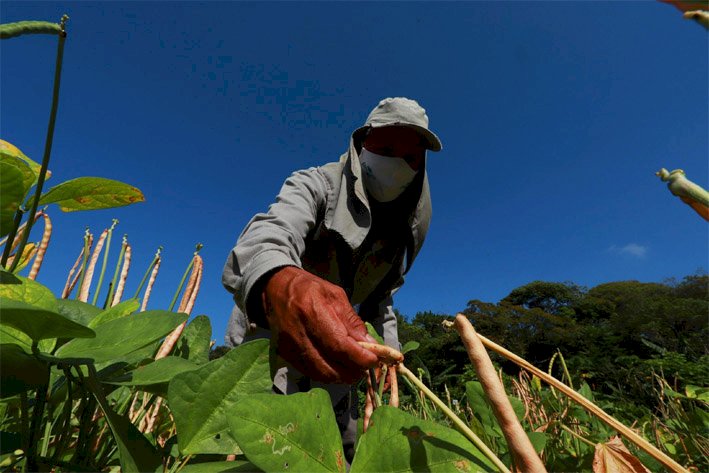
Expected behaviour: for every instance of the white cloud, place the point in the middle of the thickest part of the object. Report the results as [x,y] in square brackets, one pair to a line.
[631,249]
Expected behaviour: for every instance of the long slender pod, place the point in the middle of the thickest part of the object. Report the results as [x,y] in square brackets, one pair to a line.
[124,275]
[196,285]
[12,30]
[182,281]
[37,263]
[690,193]
[525,457]
[88,277]
[105,261]
[586,404]
[147,272]
[394,387]
[116,272]
[464,429]
[151,282]
[187,295]
[195,278]
[18,234]
[69,282]
[88,241]
[16,31]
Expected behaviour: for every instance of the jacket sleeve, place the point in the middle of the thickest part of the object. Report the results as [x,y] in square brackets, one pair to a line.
[274,240]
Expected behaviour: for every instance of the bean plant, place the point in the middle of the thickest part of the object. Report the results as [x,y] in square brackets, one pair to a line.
[102,384]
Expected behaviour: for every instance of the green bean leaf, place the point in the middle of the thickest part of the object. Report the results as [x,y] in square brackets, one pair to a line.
[289,433]
[118,338]
[13,190]
[193,345]
[122,309]
[413,444]
[39,323]
[201,399]
[154,377]
[91,193]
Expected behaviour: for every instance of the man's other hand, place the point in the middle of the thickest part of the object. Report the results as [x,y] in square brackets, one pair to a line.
[315,327]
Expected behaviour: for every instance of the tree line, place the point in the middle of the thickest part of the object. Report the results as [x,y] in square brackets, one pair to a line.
[615,336]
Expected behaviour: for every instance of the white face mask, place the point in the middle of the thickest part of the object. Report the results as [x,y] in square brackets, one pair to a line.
[385,178]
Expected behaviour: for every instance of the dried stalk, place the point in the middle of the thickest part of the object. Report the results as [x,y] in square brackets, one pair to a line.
[588,405]
[37,264]
[190,284]
[394,387]
[368,405]
[151,281]
[124,275]
[69,286]
[521,448]
[195,288]
[86,283]
[194,282]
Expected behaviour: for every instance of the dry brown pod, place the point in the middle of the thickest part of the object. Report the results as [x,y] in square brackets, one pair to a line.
[385,353]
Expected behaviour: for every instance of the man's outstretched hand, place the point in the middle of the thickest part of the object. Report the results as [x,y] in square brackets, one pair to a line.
[315,327]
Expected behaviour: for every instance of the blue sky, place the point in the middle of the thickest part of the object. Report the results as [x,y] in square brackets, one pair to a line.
[554,118]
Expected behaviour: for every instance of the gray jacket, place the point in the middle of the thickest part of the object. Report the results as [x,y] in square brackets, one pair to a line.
[323,222]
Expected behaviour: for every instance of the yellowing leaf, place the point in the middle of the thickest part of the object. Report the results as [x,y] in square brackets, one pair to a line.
[91,193]
[11,151]
[614,457]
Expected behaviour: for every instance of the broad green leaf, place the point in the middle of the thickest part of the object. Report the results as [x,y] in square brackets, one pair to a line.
[19,338]
[19,371]
[410,346]
[538,440]
[13,190]
[91,193]
[79,312]
[478,402]
[518,407]
[29,178]
[372,331]
[201,399]
[193,345]
[413,444]
[221,467]
[120,337]
[8,150]
[135,451]
[288,433]
[122,309]
[39,323]
[696,392]
[30,292]
[154,376]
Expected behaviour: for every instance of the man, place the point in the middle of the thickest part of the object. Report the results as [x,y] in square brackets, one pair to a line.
[329,254]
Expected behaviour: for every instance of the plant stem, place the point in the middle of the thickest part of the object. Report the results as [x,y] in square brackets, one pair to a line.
[147,272]
[577,436]
[112,285]
[47,143]
[454,418]
[105,261]
[11,237]
[179,287]
[65,432]
[37,414]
